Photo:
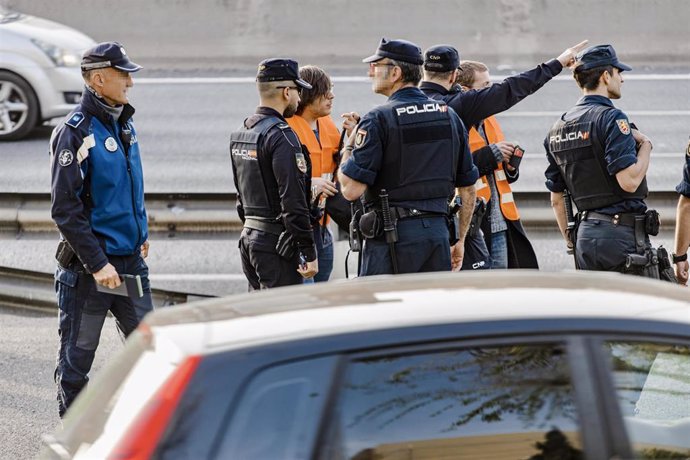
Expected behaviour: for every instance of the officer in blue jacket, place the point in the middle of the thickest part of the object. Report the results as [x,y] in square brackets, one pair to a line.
[682,240]
[595,153]
[415,149]
[98,206]
[272,175]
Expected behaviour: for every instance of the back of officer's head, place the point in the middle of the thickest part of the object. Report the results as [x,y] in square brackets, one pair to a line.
[440,61]
[320,86]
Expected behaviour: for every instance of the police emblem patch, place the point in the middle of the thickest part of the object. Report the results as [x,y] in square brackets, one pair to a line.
[110,144]
[623,126]
[687,149]
[360,137]
[65,158]
[301,162]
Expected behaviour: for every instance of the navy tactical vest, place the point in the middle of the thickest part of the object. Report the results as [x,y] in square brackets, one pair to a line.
[259,194]
[578,149]
[421,152]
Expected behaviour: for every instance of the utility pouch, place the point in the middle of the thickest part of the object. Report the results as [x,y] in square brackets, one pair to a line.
[651,222]
[285,247]
[371,224]
[64,255]
[477,218]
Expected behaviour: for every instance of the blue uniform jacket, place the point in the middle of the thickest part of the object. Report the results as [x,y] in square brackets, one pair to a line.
[97,187]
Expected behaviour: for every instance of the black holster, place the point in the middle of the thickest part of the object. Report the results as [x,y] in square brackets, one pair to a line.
[477,218]
[65,255]
[371,224]
[355,234]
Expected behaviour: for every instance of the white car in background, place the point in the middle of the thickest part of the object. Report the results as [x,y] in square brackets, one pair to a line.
[40,77]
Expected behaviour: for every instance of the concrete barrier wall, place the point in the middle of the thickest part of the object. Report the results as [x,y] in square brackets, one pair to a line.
[235,34]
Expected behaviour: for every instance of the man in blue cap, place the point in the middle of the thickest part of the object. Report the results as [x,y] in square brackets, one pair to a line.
[601,160]
[98,206]
[682,240]
[405,159]
[272,176]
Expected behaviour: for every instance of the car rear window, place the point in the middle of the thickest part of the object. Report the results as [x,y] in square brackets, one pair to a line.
[488,402]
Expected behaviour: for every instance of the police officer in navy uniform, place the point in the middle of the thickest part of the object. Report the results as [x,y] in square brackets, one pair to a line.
[271,174]
[595,153]
[416,150]
[98,206]
[682,240]
[473,106]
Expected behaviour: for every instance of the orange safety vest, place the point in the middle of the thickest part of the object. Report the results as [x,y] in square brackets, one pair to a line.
[321,154]
[494,134]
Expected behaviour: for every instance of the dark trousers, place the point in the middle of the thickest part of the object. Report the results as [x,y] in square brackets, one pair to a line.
[477,255]
[82,313]
[262,265]
[604,246]
[422,247]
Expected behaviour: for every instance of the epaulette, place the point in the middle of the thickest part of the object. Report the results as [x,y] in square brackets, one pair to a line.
[283,126]
[75,119]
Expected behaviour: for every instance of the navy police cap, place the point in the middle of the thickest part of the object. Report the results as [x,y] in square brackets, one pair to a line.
[280,69]
[108,54]
[598,56]
[441,58]
[399,50]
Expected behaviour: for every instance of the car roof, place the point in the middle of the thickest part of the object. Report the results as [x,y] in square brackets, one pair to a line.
[385,302]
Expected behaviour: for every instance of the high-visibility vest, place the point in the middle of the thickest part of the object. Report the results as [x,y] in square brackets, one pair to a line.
[321,154]
[494,134]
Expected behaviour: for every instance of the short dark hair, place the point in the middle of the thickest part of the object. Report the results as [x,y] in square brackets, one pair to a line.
[589,79]
[467,70]
[320,83]
[411,73]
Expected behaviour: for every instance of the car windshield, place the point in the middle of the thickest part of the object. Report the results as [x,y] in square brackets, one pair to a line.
[7,16]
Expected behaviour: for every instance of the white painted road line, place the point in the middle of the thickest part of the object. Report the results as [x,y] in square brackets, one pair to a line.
[364,79]
[630,113]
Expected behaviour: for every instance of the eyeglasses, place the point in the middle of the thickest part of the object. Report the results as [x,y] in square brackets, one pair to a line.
[381,64]
[298,88]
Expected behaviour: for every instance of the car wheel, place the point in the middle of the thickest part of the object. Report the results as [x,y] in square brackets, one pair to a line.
[18,107]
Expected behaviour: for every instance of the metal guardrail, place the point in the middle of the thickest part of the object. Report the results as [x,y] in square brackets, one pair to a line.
[215,212]
[25,288]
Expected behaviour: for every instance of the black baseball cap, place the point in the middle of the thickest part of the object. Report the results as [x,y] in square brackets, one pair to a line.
[598,56]
[280,69]
[441,58]
[108,54]
[399,50]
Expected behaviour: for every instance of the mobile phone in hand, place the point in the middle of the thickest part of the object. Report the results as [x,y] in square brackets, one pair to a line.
[516,158]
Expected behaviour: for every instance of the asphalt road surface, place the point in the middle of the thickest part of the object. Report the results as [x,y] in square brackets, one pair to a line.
[184,127]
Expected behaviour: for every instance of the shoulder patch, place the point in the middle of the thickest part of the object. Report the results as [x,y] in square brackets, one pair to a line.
[75,119]
[301,162]
[623,126]
[66,157]
[687,149]
[360,137]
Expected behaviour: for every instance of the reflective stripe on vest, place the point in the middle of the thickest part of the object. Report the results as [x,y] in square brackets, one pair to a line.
[321,154]
[493,132]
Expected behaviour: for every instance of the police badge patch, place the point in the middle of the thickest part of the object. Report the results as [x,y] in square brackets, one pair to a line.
[65,158]
[361,136]
[687,149]
[301,162]
[111,144]
[623,126]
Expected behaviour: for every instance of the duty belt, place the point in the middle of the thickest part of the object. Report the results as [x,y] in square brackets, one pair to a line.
[405,213]
[269,227]
[627,219]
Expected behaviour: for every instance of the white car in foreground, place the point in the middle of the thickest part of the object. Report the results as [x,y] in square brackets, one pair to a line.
[40,77]
[493,365]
